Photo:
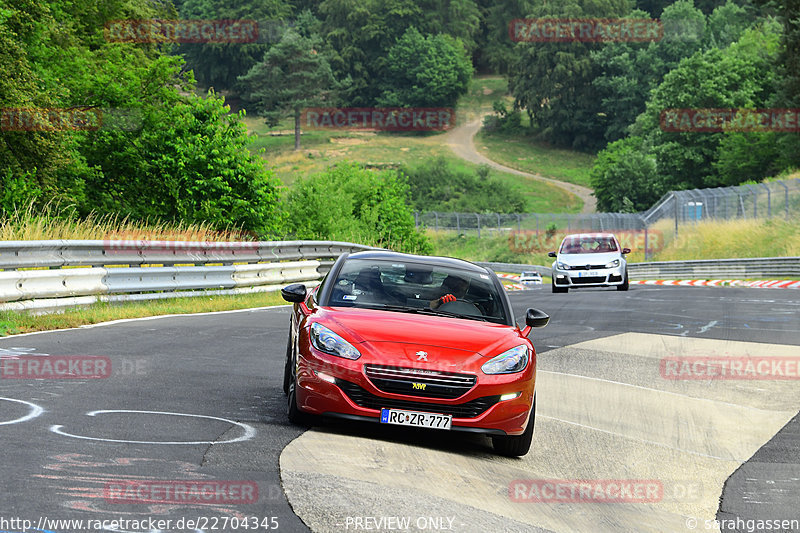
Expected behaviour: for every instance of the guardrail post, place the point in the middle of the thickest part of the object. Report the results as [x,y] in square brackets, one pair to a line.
[458,224]
[519,222]
[478,216]
[786,198]
[645,244]
[436,218]
[498,223]
[769,200]
[675,200]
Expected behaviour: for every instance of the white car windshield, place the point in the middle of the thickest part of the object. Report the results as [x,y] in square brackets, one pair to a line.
[588,244]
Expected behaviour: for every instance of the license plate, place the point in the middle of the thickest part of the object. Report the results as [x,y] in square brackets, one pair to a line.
[416,419]
[589,274]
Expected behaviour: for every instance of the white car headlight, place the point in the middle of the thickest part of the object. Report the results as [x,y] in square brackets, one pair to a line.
[508,362]
[325,340]
[612,264]
[562,266]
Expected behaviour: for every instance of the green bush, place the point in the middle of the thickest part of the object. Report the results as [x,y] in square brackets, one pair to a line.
[350,203]
[436,186]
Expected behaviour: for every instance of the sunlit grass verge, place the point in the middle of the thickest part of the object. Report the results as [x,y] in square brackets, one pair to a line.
[57,222]
[522,153]
[13,322]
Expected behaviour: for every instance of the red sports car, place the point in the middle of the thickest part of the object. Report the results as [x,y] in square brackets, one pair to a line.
[415,341]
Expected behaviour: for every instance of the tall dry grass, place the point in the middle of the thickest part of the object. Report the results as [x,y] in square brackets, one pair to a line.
[57,222]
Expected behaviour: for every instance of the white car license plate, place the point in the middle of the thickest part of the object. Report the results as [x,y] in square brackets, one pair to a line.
[416,419]
[589,274]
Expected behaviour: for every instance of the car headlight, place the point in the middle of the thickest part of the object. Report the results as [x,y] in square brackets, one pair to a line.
[325,340]
[562,266]
[508,362]
[612,264]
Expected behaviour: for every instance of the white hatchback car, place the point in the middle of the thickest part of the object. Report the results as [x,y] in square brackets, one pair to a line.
[590,260]
[530,278]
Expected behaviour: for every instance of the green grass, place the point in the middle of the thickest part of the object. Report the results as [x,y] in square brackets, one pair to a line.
[13,322]
[323,148]
[522,153]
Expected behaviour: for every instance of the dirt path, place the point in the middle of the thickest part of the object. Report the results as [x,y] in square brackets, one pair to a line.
[460,140]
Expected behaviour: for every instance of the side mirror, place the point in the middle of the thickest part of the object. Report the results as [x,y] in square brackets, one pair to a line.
[535,318]
[294,293]
[626,251]
[551,254]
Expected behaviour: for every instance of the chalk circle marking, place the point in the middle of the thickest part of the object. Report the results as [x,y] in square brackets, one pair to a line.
[249,431]
[35,411]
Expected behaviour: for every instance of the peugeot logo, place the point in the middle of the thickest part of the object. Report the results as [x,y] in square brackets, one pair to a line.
[422,356]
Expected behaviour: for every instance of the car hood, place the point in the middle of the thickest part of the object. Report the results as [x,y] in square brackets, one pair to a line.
[406,333]
[588,259]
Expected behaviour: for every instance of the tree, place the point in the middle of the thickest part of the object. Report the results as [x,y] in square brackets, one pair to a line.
[553,81]
[219,65]
[430,71]
[741,77]
[628,71]
[623,175]
[292,76]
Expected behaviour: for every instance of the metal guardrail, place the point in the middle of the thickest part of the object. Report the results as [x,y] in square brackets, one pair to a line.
[761,267]
[76,272]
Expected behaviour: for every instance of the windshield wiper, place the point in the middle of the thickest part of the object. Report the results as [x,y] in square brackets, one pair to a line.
[423,311]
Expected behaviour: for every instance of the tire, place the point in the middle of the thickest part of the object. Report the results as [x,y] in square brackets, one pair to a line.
[293,413]
[287,367]
[625,284]
[558,289]
[516,445]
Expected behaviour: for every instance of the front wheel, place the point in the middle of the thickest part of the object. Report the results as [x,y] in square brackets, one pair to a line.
[625,284]
[516,445]
[556,288]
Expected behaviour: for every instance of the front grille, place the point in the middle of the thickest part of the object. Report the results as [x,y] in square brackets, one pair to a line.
[419,382]
[367,400]
[588,279]
[585,267]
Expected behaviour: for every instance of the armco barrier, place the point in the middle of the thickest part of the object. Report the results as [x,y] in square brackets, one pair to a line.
[127,270]
[763,267]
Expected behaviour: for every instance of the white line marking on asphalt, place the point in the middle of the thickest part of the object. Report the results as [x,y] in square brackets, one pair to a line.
[707,326]
[35,411]
[249,431]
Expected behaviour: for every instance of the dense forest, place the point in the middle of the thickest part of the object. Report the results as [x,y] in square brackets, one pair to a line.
[166,146]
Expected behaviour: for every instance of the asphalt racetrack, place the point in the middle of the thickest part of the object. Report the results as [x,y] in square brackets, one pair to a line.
[184,429]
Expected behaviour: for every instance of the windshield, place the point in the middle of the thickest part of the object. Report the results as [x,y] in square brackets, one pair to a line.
[417,288]
[588,244]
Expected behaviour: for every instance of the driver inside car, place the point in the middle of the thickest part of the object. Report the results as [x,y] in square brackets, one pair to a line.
[454,287]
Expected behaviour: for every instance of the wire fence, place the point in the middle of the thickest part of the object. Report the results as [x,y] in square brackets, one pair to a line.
[779,198]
